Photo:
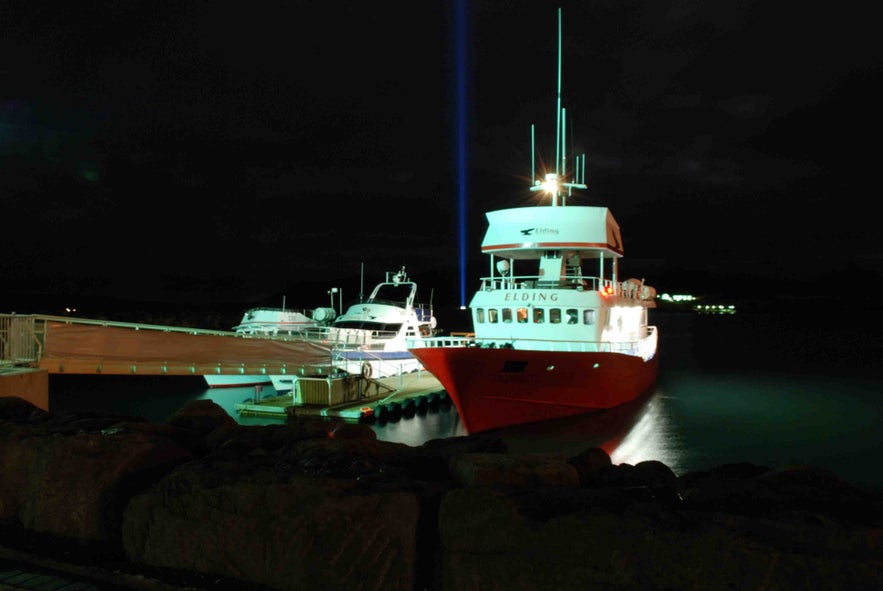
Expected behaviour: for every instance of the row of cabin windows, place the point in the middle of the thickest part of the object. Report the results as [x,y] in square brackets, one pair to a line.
[536,315]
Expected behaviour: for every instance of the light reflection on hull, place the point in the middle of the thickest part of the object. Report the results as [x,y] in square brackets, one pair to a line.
[568,436]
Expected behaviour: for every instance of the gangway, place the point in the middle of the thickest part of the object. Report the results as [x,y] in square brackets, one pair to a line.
[68,345]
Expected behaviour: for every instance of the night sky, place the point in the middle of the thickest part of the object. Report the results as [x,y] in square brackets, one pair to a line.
[230,154]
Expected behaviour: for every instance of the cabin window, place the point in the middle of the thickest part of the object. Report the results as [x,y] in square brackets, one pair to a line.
[572,316]
[521,314]
[479,315]
[538,315]
[492,316]
[555,315]
[588,317]
[507,314]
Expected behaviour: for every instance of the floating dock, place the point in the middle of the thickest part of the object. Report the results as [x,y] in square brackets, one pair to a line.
[353,398]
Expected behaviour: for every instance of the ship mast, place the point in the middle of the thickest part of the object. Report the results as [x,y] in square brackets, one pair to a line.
[553,181]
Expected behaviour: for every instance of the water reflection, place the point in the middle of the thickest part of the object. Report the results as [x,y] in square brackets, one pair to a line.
[433,424]
[651,437]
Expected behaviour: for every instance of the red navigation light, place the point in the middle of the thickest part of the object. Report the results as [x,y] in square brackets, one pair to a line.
[607,290]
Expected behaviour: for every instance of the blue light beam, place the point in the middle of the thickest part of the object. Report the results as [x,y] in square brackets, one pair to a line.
[460,28]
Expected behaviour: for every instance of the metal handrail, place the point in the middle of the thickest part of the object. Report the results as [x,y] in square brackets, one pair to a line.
[628,288]
[20,341]
[643,347]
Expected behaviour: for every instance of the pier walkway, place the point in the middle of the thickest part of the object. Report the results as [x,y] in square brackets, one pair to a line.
[39,345]
[67,345]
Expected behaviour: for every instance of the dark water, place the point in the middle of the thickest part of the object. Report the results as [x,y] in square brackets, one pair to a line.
[772,389]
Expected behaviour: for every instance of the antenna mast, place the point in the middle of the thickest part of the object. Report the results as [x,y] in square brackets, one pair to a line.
[558,109]
[552,182]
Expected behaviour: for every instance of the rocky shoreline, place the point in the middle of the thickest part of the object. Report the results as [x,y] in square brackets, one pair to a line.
[200,502]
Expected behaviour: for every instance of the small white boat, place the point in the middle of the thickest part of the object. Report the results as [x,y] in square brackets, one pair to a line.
[371,337]
[269,322]
[280,321]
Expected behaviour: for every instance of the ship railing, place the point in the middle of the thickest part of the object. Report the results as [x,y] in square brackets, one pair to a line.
[627,289]
[347,338]
[440,341]
[536,281]
[305,311]
[384,368]
[644,347]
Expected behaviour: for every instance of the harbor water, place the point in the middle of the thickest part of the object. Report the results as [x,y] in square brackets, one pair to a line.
[767,388]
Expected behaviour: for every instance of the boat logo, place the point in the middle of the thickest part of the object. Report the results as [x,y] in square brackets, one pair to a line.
[530,231]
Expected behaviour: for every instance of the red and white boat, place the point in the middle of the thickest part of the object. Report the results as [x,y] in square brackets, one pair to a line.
[557,332]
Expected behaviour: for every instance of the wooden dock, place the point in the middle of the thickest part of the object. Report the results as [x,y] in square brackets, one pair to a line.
[62,345]
[369,400]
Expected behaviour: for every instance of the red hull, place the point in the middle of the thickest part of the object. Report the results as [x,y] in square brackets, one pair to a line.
[494,388]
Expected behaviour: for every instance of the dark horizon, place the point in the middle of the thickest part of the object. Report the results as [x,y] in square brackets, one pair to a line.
[205,155]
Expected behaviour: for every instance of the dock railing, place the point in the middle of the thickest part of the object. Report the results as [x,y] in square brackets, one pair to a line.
[20,340]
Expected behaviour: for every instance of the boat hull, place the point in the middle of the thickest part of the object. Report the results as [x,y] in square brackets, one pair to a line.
[495,388]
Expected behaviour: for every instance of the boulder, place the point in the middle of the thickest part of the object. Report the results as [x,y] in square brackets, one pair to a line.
[513,471]
[489,542]
[269,526]
[76,486]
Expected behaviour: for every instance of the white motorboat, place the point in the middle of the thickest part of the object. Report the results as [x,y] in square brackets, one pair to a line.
[371,337]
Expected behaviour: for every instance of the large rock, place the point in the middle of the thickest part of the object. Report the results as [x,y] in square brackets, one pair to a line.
[267,525]
[513,471]
[77,486]
[491,543]
[21,446]
[19,410]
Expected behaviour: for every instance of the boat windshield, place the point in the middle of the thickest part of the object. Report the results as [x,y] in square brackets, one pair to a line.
[397,295]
